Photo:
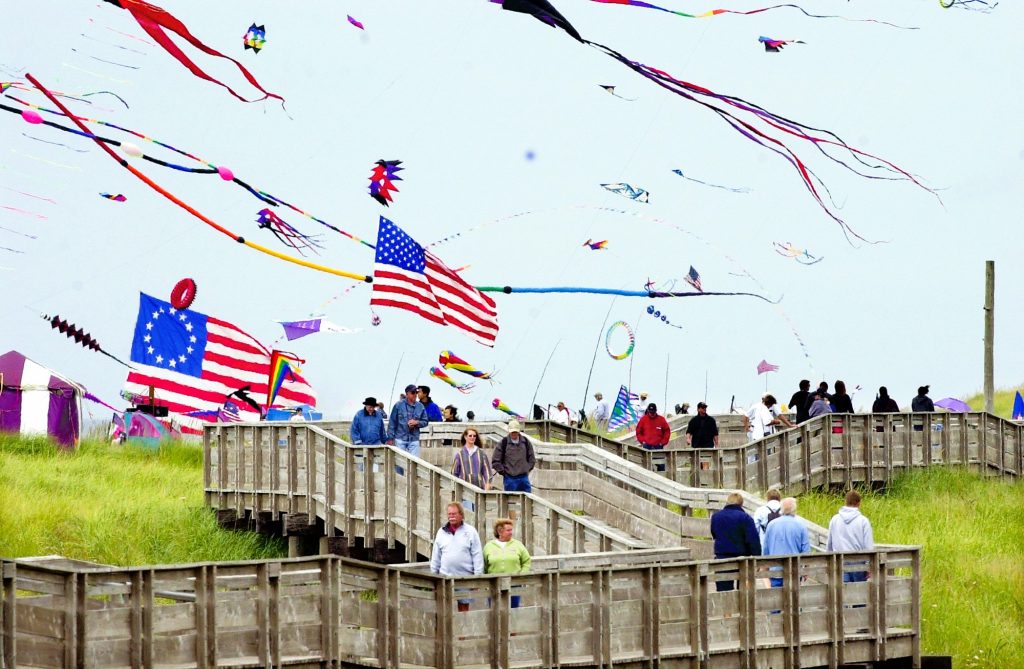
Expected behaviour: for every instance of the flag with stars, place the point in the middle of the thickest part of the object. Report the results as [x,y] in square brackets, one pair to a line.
[405,276]
[193,361]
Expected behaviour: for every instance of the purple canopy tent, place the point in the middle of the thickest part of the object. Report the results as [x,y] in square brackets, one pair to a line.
[37,400]
[953,404]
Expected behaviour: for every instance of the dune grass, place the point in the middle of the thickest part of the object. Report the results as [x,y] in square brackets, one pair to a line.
[1002,401]
[113,504]
[972,534]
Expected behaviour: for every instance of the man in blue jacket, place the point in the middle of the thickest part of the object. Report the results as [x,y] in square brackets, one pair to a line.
[735,534]
[407,418]
[786,535]
[368,425]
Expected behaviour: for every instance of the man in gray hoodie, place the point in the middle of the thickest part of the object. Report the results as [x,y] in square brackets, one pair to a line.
[850,531]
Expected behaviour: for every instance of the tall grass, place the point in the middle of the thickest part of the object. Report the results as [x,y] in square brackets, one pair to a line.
[971,531]
[1002,401]
[117,505]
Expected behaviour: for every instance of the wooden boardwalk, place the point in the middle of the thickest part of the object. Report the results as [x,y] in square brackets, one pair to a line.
[618,578]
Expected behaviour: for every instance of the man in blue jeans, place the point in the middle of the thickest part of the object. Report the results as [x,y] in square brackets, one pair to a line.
[514,459]
[407,418]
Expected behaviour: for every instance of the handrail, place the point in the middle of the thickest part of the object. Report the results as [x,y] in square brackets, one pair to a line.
[298,468]
[331,611]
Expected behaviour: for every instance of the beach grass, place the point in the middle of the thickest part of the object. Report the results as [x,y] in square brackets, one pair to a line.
[1002,401]
[119,505]
[971,531]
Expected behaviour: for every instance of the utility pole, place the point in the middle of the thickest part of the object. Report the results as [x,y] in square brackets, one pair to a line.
[990,318]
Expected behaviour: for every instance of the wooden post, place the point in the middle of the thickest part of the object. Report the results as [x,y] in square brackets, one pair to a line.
[10,592]
[990,326]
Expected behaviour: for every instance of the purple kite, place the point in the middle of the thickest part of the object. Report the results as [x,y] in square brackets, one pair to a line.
[357,24]
[299,329]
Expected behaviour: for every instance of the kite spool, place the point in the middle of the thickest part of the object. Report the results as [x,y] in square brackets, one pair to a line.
[608,340]
[184,294]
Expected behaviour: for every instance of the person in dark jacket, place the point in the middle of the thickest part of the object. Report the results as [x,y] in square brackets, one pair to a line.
[433,411]
[735,534]
[514,459]
[702,430]
[884,403]
[841,402]
[799,402]
[922,402]
[368,425]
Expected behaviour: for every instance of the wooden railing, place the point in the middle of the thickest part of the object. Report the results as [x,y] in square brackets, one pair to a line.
[373,492]
[332,611]
[834,449]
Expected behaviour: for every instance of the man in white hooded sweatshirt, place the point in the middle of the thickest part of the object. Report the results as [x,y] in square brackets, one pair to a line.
[850,531]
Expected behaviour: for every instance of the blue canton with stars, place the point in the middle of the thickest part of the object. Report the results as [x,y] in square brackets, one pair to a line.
[394,247]
[168,338]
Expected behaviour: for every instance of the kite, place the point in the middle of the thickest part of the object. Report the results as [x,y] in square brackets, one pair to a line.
[624,411]
[756,123]
[705,183]
[625,190]
[298,329]
[183,294]
[255,38]
[70,148]
[969,5]
[802,256]
[718,12]
[449,360]
[611,89]
[357,24]
[115,198]
[440,375]
[662,317]
[501,406]
[775,45]
[693,278]
[79,335]
[382,178]
[608,340]
[286,233]
[764,367]
[375,320]
[224,173]
[282,366]
[596,246]
[108,62]
[155,20]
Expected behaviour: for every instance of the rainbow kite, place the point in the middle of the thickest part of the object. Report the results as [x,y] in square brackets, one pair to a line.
[282,365]
[449,360]
[596,246]
[440,375]
[501,406]
[116,198]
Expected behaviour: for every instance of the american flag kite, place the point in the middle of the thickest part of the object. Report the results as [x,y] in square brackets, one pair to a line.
[693,278]
[193,361]
[764,367]
[405,276]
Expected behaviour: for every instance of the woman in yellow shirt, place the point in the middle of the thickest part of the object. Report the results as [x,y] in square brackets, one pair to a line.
[505,555]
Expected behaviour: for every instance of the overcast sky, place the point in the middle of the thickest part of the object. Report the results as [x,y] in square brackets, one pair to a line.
[465,93]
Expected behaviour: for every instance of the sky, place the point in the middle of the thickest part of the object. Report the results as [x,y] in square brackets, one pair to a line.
[506,137]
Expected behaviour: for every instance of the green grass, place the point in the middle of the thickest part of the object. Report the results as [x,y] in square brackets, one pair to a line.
[113,504]
[1002,402]
[972,534]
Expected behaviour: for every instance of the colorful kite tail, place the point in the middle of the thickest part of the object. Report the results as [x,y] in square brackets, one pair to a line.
[154,20]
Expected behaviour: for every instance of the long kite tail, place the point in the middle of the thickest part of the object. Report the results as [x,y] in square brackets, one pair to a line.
[154,20]
[508,290]
[719,12]
[170,196]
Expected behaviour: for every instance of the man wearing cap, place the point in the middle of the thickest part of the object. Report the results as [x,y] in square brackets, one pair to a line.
[368,425]
[702,430]
[407,418]
[514,459]
[601,413]
[653,431]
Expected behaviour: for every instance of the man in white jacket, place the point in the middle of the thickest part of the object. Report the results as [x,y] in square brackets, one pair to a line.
[457,550]
[850,531]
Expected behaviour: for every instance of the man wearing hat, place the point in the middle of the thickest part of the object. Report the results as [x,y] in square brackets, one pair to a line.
[702,430]
[653,431]
[601,413]
[368,425]
[407,418]
[514,459]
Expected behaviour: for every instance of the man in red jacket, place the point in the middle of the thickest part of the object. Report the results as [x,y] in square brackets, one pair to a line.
[653,432]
